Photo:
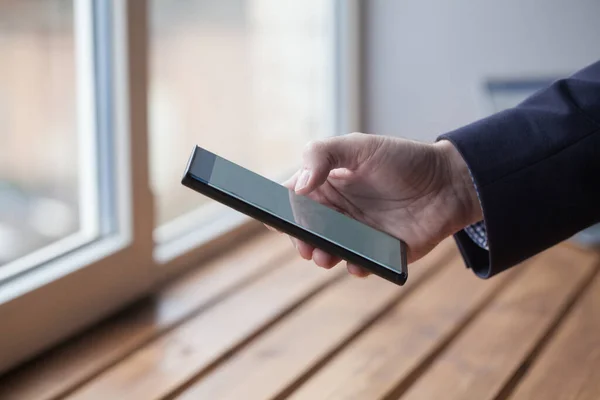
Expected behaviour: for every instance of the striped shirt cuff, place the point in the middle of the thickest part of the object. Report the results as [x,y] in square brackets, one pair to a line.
[477,232]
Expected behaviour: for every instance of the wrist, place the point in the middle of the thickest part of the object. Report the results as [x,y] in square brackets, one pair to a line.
[459,186]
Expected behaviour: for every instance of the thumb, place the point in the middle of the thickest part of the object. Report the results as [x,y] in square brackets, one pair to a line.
[321,156]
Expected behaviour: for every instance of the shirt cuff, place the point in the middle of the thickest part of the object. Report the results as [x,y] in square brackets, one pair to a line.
[477,232]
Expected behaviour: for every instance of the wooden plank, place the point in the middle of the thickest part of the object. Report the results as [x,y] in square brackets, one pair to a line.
[289,351]
[174,358]
[488,353]
[61,370]
[393,350]
[569,368]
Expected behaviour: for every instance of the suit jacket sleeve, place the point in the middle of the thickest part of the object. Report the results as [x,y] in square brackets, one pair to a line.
[536,168]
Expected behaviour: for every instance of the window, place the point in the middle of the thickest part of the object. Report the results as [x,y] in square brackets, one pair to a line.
[101,104]
[43,199]
[248,79]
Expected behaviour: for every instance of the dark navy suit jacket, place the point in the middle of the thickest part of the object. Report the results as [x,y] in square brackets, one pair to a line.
[537,171]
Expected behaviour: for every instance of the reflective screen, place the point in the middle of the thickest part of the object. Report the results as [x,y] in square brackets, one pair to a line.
[298,210]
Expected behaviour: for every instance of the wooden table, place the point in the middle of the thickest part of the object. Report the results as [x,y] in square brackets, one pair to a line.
[260,323]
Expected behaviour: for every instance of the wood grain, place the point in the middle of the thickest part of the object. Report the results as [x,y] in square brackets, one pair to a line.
[294,347]
[389,353]
[485,356]
[261,323]
[181,354]
[569,368]
[70,365]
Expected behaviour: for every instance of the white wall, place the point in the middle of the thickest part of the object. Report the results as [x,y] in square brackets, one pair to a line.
[426,61]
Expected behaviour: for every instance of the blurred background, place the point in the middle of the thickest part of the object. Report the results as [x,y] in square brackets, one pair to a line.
[243,76]
[235,76]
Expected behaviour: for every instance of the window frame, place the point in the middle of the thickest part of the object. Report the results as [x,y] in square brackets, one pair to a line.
[124,264]
[115,269]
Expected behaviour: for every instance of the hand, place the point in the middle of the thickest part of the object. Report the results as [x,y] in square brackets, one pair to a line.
[420,193]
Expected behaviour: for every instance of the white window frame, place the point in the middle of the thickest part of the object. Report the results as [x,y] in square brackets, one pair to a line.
[65,294]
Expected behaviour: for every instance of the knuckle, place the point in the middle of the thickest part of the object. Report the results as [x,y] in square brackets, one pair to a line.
[314,147]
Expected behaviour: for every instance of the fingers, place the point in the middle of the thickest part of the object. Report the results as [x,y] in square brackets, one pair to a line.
[325,260]
[357,271]
[269,227]
[304,249]
[322,156]
[291,182]
[341,173]
[318,256]
[339,156]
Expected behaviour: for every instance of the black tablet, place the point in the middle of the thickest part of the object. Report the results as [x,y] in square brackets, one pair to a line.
[296,215]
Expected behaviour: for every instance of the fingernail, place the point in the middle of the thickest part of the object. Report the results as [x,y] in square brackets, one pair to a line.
[302,180]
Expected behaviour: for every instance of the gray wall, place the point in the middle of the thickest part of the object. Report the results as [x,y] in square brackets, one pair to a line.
[426,61]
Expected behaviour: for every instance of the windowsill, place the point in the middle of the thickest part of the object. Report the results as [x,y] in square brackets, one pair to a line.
[246,260]
[216,239]
[58,268]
